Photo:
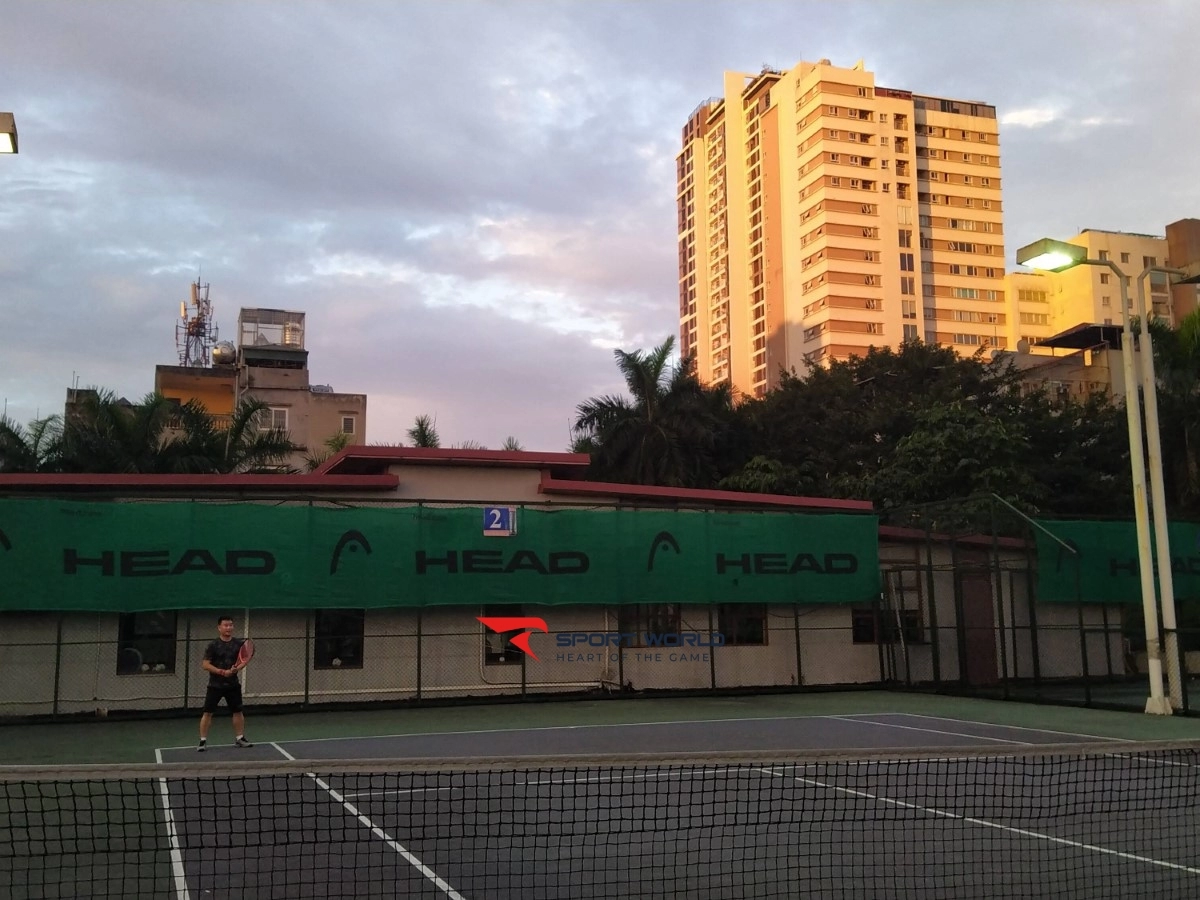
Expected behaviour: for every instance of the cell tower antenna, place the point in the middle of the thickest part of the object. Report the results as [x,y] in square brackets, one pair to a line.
[196,330]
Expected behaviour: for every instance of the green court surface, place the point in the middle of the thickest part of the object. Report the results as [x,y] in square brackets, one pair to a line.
[108,741]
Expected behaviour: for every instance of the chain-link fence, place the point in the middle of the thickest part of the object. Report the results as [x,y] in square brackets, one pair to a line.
[959,612]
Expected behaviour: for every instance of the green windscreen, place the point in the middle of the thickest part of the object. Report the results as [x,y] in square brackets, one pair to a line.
[175,555]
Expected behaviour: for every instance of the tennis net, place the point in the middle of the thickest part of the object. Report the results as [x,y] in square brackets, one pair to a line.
[1098,820]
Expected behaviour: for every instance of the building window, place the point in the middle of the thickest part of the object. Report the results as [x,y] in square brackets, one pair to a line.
[275,419]
[906,262]
[869,626]
[907,286]
[1149,261]
[347,424]
[146,643]
[640,619]
[1106,301]
[338,639]
[905,237]
[1103,256]
[742,623]
[910,332]
[1124,257]
[1104,278]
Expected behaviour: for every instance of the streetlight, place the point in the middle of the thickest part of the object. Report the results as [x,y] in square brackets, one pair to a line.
[1058,256]
[8,133]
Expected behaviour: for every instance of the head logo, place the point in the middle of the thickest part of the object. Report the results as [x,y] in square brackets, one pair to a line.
[351,539]
[526,625]
[4,542]
[661,540]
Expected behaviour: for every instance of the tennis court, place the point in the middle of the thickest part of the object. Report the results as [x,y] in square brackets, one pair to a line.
[783,806]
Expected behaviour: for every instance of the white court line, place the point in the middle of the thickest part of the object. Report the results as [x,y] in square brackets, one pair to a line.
[979,737]
[704,772]
[181,888]
[515,730]
[1024,832]
[1098,737]
[391,842]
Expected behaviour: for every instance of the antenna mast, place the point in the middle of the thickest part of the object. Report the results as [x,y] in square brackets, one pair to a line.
[196,332]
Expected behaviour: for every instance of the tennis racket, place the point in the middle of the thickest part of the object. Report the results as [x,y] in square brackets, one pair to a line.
[245,654]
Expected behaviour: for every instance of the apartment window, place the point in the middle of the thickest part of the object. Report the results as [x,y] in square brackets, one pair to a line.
[966,293]
[1106,301]
[1124,257]
[1104,276]
[927,267]
[969,340]
[883,164]
[275,419]
[835,157]
[909,307]
[146,643]
[986,182]
[910,333]
[906,262]
[907,286]
[1026,296]
[1148,261]
[883,141]
[338,639]
[1035,319]
[347,424]
[742,623]
[1103,255]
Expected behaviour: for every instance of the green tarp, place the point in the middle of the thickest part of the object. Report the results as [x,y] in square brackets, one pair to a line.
[1108,562]
[181,555]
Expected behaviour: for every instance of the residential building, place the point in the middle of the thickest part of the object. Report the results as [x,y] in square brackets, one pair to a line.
[270,364]
[820,214]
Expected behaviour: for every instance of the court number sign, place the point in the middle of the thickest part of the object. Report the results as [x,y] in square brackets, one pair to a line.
[499,521]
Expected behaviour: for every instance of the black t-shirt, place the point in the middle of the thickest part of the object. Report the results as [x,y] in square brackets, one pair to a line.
[223,655]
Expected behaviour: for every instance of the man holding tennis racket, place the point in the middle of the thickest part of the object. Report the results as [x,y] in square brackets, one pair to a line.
[223,659]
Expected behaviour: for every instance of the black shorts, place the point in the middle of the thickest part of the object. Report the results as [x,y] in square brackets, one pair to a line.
[232,693]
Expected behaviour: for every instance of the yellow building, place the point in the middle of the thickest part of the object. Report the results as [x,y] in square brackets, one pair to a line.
[820,214]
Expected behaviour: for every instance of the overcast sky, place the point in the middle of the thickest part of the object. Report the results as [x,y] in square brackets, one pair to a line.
[474,202]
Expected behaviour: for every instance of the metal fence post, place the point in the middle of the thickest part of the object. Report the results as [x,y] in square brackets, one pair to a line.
[58,633]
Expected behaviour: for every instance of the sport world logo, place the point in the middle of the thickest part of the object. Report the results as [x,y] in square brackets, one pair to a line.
[521,628]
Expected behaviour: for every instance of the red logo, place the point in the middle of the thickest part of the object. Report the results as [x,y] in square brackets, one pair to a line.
[524,624]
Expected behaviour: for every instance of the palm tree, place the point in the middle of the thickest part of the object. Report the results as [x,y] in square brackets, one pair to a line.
[104,433]
[35,448]
[423,433]
[241,447]
[335,443]
[511,444]
[665,433]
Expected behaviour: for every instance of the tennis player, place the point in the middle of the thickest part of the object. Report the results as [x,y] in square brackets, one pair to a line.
[221,663]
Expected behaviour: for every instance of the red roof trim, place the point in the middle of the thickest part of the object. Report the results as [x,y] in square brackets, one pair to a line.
[448,456]
[916,535]
[249,483]
[551,485]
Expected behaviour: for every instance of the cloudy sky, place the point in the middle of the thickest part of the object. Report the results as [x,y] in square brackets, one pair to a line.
[473,202]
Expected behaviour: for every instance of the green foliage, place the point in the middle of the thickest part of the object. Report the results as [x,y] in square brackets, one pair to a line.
[665,432]
[423,433]
[35,448]
[901,428]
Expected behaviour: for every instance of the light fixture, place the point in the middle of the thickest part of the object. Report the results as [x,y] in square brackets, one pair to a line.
[1051,255]
[8,133]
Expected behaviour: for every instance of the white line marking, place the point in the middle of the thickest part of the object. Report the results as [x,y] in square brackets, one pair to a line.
[378,832]
[977,737]
[1024,832]
[181,888]
[1097,737]
[420,734]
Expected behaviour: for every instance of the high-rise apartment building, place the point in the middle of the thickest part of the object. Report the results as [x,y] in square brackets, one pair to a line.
[1050,303]
[820,214]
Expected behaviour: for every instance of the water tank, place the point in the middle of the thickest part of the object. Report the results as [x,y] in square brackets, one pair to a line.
[224,354]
